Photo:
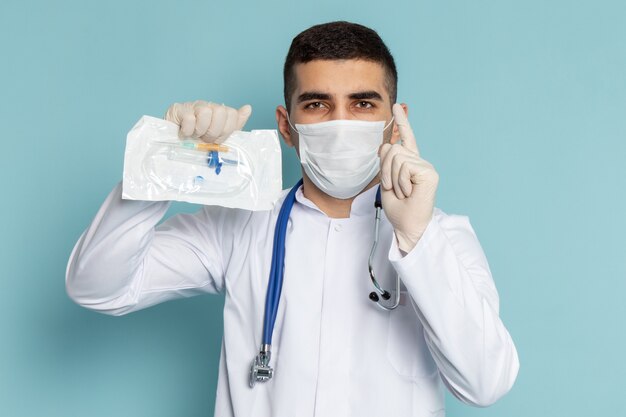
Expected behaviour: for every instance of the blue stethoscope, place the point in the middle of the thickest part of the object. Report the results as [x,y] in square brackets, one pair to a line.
[261,371]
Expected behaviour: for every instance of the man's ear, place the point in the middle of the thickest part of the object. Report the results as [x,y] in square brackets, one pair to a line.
[283,125]
[395,135]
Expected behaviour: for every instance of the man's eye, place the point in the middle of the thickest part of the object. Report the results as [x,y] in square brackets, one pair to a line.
[314,105]
[365,105]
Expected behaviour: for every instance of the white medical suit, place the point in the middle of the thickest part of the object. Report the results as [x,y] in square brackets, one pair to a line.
[334,352]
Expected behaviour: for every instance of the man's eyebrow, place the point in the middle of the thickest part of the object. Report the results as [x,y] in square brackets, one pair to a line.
[313,95]
[360,95]
[366,95]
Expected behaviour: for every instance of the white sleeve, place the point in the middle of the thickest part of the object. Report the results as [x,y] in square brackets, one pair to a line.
[123,262]
[450,283]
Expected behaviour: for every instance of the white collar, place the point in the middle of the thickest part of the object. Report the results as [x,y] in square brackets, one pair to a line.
[363,203]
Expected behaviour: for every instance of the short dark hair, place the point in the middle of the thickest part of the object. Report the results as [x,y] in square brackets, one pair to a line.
[338,40]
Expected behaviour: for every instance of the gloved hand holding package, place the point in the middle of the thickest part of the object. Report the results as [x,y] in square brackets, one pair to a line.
[242,171]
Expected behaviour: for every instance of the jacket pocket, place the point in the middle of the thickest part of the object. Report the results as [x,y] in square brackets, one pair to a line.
[407,351]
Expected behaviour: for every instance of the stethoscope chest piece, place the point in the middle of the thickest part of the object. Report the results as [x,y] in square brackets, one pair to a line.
[261,371]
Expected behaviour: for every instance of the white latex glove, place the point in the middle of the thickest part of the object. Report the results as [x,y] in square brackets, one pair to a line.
[409,184]
[207,121]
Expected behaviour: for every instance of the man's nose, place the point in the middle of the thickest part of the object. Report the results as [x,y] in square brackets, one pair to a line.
[341,112]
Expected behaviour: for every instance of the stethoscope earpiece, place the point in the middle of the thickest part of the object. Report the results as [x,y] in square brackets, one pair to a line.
[385,295]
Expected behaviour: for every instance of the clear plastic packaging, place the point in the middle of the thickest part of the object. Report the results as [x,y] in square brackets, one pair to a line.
[244,171]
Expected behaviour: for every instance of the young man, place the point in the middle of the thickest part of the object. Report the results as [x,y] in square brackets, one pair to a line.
[333,351]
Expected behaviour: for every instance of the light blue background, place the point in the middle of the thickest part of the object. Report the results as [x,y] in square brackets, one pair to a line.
[521,107]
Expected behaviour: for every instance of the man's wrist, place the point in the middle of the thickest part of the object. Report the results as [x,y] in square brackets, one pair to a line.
[406,242]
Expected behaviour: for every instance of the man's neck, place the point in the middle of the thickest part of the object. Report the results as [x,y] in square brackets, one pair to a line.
[333,207]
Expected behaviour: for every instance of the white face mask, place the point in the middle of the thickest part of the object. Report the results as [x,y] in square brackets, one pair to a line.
[340,156]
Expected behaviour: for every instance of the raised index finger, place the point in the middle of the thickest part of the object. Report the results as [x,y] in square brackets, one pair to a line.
[406,133]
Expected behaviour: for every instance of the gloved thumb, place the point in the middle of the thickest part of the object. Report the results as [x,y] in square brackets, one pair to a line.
[243,113]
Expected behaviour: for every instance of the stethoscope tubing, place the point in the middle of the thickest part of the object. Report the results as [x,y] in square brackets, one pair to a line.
[278,265]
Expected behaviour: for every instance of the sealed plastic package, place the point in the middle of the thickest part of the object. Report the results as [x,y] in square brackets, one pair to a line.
[244,171]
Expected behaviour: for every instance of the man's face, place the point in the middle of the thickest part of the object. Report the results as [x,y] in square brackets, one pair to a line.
[326,90]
